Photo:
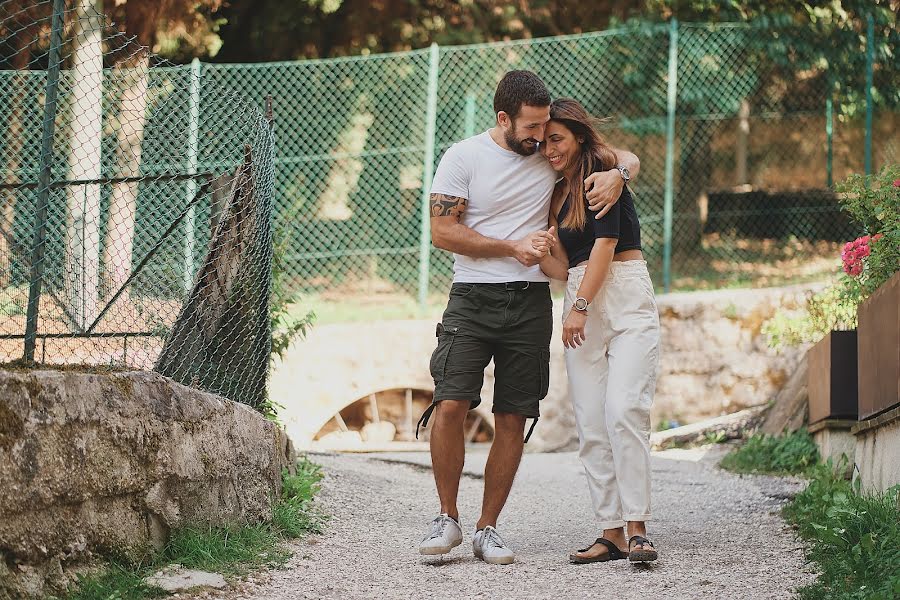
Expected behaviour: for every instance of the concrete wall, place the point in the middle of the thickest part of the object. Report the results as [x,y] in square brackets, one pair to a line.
[835,442]
[110,463]
[714,361]
[878,451]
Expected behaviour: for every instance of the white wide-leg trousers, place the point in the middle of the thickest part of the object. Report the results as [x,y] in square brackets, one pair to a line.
[612,377]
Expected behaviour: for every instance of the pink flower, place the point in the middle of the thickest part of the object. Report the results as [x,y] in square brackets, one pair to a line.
[897,183]
[853,253]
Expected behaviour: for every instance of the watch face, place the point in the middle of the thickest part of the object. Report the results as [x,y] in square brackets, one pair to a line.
[581,303]
[625,174]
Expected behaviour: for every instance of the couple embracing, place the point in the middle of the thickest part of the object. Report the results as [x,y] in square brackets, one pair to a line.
[541,196]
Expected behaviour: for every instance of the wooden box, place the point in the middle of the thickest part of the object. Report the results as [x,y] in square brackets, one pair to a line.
[832,378]
[879,350]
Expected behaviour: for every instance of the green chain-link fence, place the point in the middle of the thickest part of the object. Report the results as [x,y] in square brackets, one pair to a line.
[740,129]
[749,149]
[136,207]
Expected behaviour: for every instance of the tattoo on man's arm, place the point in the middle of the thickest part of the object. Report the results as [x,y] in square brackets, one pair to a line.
[447,206]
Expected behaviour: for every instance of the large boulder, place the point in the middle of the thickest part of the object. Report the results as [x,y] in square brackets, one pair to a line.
[112,462]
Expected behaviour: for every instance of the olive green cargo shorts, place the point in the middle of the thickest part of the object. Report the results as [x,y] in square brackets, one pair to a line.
[509,322]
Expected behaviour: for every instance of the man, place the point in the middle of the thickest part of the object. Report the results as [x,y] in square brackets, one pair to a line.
[490,203]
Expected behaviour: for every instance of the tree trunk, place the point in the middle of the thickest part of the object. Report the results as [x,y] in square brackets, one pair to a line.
[13,152]
[82,266]
[694,176]
[221,340]
[131,78]
[334,203]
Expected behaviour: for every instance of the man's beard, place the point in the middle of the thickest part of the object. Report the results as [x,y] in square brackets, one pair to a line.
[518,146]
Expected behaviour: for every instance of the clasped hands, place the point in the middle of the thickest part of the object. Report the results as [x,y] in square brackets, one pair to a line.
[602,191]
[533,248]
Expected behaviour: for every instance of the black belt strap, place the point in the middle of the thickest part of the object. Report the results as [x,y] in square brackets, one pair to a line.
[423,420]
[533,423]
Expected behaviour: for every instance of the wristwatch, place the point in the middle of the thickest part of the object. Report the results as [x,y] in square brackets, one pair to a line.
[581,304]
[623,171]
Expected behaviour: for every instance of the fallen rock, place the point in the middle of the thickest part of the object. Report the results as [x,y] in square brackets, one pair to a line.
[727,427]
[178,579]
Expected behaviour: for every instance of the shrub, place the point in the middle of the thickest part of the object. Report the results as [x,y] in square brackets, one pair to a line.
[854,538]
[792,454]
[868,261]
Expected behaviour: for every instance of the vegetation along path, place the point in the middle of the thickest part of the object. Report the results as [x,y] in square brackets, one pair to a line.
[719,534]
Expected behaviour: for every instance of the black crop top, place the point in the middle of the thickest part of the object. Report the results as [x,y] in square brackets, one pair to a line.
[620,222]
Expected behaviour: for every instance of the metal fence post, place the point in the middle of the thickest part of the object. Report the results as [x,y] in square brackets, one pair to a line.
[43,190]
[469,117]
[670,154]
[870,64]
[427,174]
[191,189]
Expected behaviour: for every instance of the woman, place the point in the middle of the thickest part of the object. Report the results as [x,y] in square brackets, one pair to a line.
[611,335]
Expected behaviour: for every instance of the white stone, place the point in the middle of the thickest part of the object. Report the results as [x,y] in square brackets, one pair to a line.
[379,433]
[177,579]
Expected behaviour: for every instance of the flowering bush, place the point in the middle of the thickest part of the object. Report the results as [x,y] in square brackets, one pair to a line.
[874,203]
[854,252]
[868,261]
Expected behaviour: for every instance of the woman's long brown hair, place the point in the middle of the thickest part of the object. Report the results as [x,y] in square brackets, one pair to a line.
[595,152]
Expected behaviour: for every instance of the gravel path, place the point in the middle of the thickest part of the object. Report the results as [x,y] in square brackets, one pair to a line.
[719,535]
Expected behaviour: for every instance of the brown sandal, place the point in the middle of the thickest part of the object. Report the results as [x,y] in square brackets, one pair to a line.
[641,555]
[613,553]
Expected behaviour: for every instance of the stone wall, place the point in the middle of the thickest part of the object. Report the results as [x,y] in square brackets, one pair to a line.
[110,463]
[714,361]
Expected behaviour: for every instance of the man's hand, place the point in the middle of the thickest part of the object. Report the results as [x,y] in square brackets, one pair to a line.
[603,190]
[543,241]
[531,249]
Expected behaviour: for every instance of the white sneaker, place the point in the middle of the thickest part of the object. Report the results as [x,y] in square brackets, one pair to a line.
[445,535]
[489,547]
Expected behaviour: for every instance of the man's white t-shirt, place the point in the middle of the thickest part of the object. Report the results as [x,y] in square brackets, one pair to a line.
[508,198]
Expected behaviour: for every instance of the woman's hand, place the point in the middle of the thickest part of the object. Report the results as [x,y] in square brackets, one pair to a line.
[573,329]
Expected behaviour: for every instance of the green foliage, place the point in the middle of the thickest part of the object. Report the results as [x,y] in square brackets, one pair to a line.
[232,550]
[229,550]
[854,538]
[874,202]
[296,514]
[841,22]
[790,454]
[831,309]
[117,582]
[287,327]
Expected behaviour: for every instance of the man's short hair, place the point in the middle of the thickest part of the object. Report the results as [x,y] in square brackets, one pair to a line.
[517,89]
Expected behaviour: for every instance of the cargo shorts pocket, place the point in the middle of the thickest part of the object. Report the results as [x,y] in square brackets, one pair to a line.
[545,373]
[527,373]
[439,357]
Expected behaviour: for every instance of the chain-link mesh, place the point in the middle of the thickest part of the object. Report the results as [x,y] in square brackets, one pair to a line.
[762,127]
[751,189]
[120,177]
